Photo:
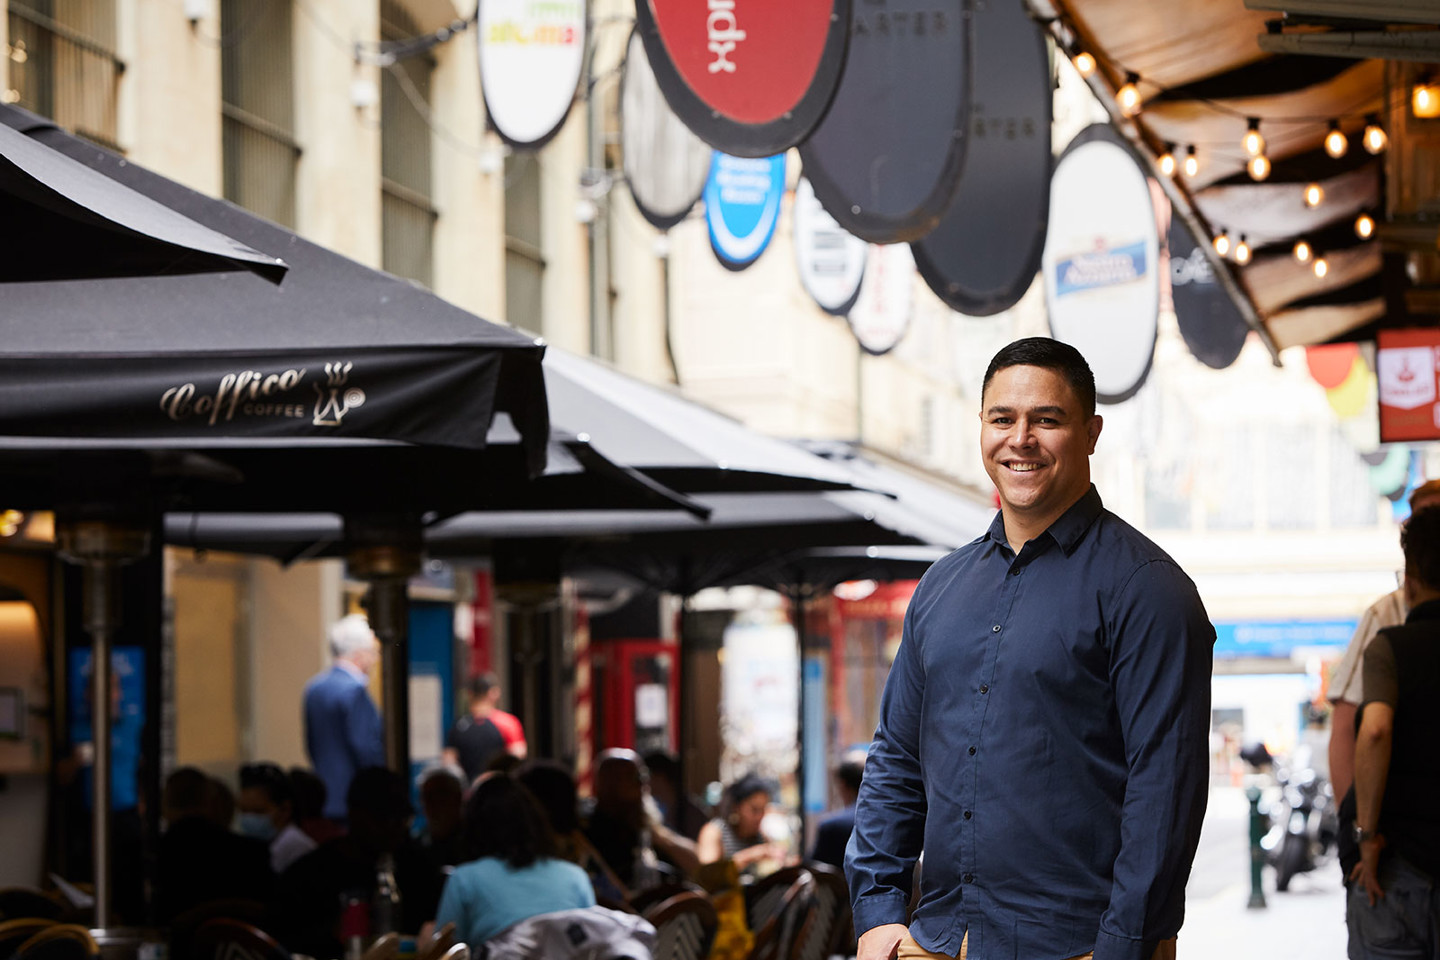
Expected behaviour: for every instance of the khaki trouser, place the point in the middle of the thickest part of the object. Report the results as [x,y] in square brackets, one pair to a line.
[910,950]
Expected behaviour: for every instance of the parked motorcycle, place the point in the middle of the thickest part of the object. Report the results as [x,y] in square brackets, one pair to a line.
[1304,826]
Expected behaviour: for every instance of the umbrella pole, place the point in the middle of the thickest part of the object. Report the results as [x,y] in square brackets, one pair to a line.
[798,600]
[99,547]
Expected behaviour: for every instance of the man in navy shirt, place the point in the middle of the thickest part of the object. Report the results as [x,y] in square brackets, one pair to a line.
[1043,734]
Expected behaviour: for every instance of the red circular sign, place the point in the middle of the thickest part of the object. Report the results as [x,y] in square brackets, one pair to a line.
[1330,363]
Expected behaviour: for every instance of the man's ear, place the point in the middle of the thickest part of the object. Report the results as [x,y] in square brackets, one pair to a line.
[1092,427]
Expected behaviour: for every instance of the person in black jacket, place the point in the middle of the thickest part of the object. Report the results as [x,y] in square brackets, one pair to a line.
[833,832]
[199,859]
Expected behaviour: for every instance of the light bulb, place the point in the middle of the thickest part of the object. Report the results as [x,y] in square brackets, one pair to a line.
[1259,167]
[1128,96]
[1364,226]
[1166,161]
[1253,142]
[1242,251]
[1335,141]
[1222,243]
[1084,63]
[1425,100]
[1314,195]
[1302,251]
[1321,268]
[1192,162]
[1375,139]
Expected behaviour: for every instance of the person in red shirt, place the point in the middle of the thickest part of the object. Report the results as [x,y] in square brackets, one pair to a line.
[485,732]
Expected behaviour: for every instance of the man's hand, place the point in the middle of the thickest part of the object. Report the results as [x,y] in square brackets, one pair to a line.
[1367,871]
[882,942]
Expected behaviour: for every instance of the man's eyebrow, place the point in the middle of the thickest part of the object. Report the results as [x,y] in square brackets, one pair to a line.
[1048,410]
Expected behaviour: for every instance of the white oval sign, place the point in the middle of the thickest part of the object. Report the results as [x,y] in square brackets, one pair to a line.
[881,313]
[665,164]
[831,261]
[1101,262]
[531,54]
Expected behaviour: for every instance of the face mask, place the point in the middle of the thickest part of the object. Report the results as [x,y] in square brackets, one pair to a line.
[257,825]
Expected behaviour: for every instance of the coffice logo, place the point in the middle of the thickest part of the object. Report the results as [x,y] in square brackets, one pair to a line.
[334,400]
[257,394]
[1101,267]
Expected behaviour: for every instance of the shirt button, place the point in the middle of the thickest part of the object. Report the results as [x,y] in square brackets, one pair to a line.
[995,629]
[972,751]
[967,814]
[969,878]
[984,688]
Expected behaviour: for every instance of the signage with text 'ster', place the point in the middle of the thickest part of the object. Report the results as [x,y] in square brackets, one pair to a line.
[749,77]
[887,158]
[531,56]
[742,206]
[986,251]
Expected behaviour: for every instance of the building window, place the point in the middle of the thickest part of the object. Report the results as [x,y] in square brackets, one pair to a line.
[258,107]
[407,216]
[63,64]
[524,263]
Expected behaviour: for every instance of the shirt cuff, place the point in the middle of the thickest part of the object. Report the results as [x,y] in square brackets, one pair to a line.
[1110,947]
[876,911]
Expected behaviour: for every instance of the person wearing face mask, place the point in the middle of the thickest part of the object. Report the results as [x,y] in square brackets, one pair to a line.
[267,813]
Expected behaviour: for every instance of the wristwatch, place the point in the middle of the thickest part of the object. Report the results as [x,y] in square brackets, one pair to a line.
[1361,835]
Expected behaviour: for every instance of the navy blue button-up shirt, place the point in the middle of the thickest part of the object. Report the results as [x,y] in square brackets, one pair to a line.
[1044,738]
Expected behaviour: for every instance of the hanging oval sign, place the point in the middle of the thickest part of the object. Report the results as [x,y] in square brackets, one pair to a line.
[665,164]
[1209,323]
[742,206]
[881,314]
[886,159]
[750,77]
[1102,277]
[831,262]
[985,252]
[531,55]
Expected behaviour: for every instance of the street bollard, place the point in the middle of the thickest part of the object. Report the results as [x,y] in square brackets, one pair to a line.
[1257,853]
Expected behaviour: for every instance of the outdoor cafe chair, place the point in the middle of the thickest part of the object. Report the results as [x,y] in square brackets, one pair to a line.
[60,941]
[684,926]
[457,951]
[782,913]
[185,925]
[385,947]
[227,939]
[29,902]
[645,899]
[832,909]
[441,941]
[17,931]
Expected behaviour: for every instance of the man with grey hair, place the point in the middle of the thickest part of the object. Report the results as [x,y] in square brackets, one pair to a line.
[342,727]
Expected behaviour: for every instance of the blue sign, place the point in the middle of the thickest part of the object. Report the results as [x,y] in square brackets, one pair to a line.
[127,672]
[1278,638]
[742,206]
[1100,268]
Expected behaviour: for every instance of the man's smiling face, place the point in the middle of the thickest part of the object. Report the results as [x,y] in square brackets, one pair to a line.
[1036,440]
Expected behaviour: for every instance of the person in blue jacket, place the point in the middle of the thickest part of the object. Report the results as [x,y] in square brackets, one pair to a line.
[342,726]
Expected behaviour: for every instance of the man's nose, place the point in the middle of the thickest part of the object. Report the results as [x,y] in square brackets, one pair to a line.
[1024,434]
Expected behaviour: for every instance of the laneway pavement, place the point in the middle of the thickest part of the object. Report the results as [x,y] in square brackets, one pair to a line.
[1306,921]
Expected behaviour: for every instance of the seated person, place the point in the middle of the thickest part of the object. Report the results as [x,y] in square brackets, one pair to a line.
[198,859]
[624,828]
[442,800]
[306,910]
[678,810]
[737,835]
[307,800]
[513,872]
[833,833]
[266,814]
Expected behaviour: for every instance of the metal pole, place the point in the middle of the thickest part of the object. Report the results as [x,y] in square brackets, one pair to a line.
[98,587]
[798,597]
[1257,853]
[389,618]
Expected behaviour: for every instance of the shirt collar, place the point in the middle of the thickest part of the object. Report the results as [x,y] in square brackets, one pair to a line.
[1068,530]
[1429,610]
[353,670]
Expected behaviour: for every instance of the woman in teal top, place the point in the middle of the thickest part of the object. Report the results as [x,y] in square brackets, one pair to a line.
[514,873]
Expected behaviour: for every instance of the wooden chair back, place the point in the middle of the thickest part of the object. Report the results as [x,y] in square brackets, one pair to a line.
[17,931]
[385,947]
[440,943]
[185,925]
[787,914]
[227,939]
[59,941]
[684,926]
[832,896]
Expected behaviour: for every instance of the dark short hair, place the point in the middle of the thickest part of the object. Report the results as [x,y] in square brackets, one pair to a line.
[187,790]
[851,772]
[504,820]
[553,786]
[1420,539]
[268,777]
[747,786]
[307,794]
[662,763]
[482,685]
[1052,355]
[381,793]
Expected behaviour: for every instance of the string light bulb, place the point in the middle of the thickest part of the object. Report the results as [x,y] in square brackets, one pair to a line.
[1084,63]
[1425,99]
[1364,226]
[1128,96]
[1222,242]
[1321,268]
[1166,160]
[1374,138]
[1242,251]
[1302,251]
[1336,142]
[1253,141]
[1314,195]
[1259,167]
[1192,162]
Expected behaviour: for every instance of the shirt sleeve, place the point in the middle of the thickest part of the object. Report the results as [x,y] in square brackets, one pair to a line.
[1160,663]
[1382,684]
[509,726]
[890,812]
[1347,682]
[452,908]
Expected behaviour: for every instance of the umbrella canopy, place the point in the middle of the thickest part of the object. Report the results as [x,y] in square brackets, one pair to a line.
[78,224]
[336,353]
